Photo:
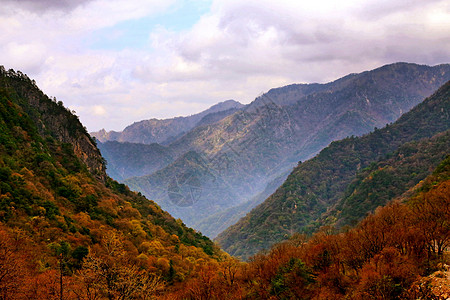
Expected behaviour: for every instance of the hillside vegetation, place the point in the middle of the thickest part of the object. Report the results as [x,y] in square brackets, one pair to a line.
[389,178]
[396,253]
[68,231]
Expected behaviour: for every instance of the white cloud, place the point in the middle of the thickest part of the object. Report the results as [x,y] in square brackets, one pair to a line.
[29,55]
[99,110]
[236,50]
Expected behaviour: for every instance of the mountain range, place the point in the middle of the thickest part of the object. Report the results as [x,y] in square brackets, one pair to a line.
[348,179]
[166,130]
[219,168]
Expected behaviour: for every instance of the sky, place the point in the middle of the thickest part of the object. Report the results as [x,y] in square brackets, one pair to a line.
[116,62]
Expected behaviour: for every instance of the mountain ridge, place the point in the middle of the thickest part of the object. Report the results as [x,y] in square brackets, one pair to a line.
[316,185]
[248,149]
[55,120]
[163,130]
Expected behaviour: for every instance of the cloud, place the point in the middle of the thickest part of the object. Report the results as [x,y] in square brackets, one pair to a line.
[104,13]
[99,110]
[31,56]
[45,5]
[264,37]
[236,50]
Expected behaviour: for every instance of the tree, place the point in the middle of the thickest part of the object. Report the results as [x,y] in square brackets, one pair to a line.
[432,215]
[109,272]
[293,281]
[12,265]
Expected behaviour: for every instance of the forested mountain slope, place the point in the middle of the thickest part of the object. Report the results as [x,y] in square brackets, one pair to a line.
[388,178]
[319,183]
[398,252]
[68,231]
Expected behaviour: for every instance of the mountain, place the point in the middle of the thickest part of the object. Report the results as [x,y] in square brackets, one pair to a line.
[318,184]
[216,223]
[136,152]
[125,160]
[166,130]
[238,156]
[388,178]
[67,230]
[50,118]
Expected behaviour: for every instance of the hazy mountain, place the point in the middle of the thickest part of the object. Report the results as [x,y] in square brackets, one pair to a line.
[216,223]
[318,184]
[166,130]
[242,153]
[125,160]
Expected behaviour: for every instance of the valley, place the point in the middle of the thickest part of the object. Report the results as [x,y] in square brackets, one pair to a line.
[235,158]
[367,211]
[224,150]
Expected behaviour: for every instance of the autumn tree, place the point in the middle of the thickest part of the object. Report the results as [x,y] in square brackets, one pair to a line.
[12,265]
[109,272]
[432,216]
[294,280]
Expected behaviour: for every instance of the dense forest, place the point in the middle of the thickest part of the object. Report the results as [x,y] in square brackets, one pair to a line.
[388,178]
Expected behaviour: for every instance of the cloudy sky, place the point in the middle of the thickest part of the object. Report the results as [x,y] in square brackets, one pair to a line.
[119,61]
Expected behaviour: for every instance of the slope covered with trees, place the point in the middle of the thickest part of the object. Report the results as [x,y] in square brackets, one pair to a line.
[396,253]
[388,178]
[318,184]
[68,231]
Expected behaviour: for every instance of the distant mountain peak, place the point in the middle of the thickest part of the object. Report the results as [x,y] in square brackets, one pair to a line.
[164,131]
